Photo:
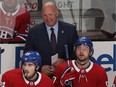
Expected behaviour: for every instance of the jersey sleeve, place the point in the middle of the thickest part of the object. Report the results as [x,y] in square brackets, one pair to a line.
[6,81]
[58,73]
[103,79]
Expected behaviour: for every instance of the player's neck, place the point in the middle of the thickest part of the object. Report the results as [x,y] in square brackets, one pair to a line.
[34,78]
[84,65]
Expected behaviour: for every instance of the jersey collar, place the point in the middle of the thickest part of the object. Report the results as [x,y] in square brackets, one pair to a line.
[78,70]
[36,82]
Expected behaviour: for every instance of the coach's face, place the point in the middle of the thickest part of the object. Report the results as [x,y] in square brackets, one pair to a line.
[50,14]
[29,70]
[83,53]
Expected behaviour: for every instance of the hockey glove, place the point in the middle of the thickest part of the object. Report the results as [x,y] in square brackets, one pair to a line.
[67,76]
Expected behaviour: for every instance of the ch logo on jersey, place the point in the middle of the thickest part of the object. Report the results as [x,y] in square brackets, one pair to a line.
[6,32]
[9,21]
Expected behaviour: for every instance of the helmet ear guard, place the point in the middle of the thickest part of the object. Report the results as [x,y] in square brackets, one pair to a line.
[92,51]
[84,41]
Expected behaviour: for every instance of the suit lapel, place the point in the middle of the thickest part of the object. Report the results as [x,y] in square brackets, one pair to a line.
[45,37]
[61,34]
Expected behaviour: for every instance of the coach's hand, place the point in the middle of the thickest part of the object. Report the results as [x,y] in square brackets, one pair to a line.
[57,62]
[48,70]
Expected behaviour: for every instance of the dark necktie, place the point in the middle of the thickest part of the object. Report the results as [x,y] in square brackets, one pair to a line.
[53,41]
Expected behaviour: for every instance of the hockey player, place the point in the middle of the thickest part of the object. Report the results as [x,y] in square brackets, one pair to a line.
[81,72]
[27,75]
[14,21]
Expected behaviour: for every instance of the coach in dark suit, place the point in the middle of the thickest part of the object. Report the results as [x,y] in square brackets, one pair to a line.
[39,38]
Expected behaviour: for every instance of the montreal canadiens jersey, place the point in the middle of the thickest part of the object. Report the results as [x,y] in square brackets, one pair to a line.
[93,76]
[13,26]
[15,78]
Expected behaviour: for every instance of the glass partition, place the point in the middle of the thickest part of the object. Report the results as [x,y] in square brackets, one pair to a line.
[95,19]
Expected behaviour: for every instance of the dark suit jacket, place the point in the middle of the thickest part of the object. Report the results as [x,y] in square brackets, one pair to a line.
[38,40]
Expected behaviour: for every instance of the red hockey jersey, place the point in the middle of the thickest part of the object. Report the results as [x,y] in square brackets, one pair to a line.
[15,78]
[13,26]
[114,83]
[93,76]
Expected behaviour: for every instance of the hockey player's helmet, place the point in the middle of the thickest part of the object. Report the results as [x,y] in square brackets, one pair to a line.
[84,41]
[32,56]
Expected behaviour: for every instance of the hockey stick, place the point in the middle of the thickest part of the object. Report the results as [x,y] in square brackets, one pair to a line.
[69,84]
[67,56]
